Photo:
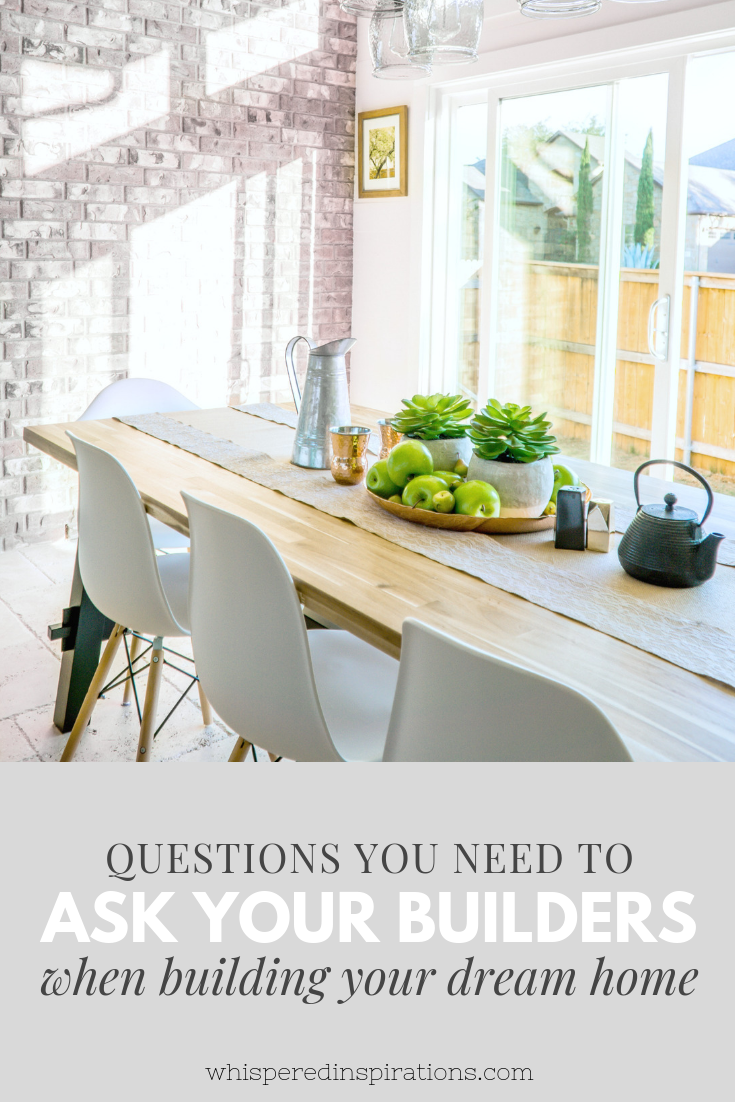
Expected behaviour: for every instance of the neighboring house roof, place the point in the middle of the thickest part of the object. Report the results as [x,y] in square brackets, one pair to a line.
[711,191]
[550,171]
[474,177]
[720,156]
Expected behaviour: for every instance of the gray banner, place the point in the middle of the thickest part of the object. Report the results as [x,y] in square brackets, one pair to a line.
[317,1039]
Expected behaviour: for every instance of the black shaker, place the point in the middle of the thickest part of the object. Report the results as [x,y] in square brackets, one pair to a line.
[570,518]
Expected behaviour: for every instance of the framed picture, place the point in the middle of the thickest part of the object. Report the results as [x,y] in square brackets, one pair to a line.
[382,153]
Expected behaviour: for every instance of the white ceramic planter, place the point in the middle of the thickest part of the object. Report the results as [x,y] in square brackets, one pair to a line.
[447,453]
[524,488]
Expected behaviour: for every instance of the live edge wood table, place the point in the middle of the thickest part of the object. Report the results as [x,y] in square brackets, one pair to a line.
[368,586]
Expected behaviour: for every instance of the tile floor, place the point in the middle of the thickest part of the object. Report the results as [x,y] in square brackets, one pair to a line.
[35,582]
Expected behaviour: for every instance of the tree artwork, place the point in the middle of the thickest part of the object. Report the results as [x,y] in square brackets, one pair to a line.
[585,206]
[382,152]
[644,209]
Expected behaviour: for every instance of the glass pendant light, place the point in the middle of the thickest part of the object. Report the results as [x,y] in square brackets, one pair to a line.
[445,31]
[370,7]
[389,49]
[558,9]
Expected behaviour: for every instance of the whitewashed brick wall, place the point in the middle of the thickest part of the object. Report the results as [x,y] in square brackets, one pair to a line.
[176,202]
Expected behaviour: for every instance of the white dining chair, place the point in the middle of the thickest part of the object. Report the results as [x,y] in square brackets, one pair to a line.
[130,396]
[456,703]
[126,580]
[309,696]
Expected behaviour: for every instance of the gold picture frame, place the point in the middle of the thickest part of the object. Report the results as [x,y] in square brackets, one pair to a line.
[382,153]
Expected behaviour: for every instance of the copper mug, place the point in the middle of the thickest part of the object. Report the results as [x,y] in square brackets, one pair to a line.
[349,453]
[389,437]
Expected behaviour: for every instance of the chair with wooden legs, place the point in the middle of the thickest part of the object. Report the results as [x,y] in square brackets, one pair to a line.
[128,583]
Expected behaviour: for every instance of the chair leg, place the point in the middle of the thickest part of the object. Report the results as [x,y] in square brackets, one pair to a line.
[152,690]
[99,679]
[206,706]
[240,750]
[128,690]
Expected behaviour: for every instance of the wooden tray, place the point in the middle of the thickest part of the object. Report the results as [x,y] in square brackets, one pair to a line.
[456,523]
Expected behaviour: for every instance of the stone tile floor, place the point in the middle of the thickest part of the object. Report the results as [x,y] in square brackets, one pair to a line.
[35,582]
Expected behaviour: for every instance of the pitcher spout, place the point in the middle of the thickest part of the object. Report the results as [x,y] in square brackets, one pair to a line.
[335,348]
[706,555]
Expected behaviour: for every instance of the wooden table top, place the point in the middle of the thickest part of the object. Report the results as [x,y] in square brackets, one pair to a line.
[369,586]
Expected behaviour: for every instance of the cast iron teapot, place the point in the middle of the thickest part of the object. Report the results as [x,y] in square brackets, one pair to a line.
[665,544]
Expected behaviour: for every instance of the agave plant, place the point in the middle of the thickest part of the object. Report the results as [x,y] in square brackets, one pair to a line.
[433,416]
[510,434]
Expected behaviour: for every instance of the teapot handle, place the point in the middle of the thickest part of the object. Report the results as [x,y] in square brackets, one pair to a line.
[683,467]
[291,370]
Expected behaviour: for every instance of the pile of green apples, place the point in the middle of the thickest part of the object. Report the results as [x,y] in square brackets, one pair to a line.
[407,477]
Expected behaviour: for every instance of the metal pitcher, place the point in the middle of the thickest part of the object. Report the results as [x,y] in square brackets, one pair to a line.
[325,401]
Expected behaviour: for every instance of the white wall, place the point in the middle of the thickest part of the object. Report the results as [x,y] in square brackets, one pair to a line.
[390,235]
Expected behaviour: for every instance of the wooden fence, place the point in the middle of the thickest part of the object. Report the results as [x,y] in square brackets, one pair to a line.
[558,327]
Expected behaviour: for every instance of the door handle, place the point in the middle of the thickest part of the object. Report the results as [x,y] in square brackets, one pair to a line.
[658,328]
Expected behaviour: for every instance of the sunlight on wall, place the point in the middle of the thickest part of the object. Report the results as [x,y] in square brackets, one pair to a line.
[254,286]
[52,139]
[288,301]
[46,86]
[79,321]
[231,58]
[181,288]
[276,284]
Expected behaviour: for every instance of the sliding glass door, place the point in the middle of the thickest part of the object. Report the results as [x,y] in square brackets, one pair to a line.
[705,432]
[578,251]
[588,257]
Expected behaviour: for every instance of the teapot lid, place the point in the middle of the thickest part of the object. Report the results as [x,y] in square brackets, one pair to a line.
[669,511]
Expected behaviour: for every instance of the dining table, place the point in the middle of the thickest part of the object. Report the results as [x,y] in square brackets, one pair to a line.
[355,580]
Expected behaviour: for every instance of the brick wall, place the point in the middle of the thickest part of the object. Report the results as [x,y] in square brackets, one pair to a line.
[176,202]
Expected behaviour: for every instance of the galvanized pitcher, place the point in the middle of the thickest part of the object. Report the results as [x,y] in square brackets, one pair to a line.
[325,402]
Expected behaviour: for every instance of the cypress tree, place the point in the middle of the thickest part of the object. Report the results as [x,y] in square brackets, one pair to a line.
[585,205]
[644,210]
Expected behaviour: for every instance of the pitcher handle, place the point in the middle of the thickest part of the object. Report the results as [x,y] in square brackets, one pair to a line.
[683,467]
[291,369]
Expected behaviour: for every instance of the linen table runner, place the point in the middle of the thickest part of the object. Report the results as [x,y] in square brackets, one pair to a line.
[693,628]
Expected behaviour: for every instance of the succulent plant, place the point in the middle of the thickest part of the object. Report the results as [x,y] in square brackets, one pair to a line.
[433,416]
[510,434]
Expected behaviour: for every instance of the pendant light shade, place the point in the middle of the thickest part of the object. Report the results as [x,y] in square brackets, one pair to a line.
[445,31]
[558,9]
[389,49]
[370,7]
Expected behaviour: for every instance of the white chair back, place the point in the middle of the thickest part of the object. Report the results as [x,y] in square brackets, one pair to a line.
[456,703]
[249,638]
[116,556]
[129,396]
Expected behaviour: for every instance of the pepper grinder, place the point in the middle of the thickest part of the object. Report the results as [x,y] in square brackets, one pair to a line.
[570,518]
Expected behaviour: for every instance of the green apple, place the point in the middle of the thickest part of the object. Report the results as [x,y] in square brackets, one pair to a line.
[444,502]
[461,468]
[419,493]
[449,477]
[396,499]
[477,499]
[379,481]
[563,476]
[409,459]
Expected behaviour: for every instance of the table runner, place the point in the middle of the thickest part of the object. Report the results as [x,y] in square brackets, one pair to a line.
[623,514]
[693,628]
